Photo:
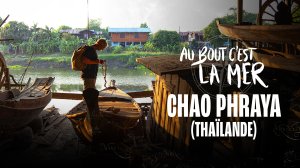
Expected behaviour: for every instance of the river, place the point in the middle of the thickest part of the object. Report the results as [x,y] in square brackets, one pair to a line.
[67,80]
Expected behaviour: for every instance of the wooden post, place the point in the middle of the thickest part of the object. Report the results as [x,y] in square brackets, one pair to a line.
[258,21]
[7,81]
[239,11]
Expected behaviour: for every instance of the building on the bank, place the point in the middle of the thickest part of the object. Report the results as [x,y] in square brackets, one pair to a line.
[128,36]
[81,33]
[193,38]
[190,36]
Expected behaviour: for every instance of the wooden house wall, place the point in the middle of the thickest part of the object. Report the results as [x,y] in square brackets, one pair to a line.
[173,131]
[129,37]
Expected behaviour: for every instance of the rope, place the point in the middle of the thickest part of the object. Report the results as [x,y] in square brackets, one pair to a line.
[22,76]
[104,69]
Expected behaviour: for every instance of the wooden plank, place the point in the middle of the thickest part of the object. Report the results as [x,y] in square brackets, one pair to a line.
[164,113]
[187,131]
[181,124]
[160,98]
[158,102]
[155,107]
[141,94]
[164,109]
[161,136]
[175,82]
[72,96]
[78,96]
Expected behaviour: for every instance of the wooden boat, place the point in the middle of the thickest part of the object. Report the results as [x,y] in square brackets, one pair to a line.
[19,108]
[116,108]
[262,33]
[277,60]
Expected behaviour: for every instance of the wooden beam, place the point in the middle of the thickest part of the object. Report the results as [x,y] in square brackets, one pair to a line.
[141,94]
[239,11]
[78,96]
[71,96]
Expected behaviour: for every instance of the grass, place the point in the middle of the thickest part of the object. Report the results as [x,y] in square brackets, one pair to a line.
[16,67]
[58,57]
[132,53]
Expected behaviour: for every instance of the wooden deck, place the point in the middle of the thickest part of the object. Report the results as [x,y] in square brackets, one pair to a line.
[58,145]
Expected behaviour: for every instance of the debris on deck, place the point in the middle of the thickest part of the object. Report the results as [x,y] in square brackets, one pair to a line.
[56,143]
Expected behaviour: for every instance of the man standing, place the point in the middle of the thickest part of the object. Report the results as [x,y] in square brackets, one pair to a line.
[89,75]
[90,58]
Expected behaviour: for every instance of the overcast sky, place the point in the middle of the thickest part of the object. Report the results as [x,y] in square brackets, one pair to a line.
[189,15]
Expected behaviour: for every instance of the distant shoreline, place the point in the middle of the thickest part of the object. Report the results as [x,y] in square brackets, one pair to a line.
[58,60]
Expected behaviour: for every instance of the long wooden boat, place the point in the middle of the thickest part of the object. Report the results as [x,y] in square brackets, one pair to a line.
[19,108]
[262,33]
[116,108]
[277,60]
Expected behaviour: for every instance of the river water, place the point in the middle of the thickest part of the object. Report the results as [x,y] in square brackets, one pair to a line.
[67,80]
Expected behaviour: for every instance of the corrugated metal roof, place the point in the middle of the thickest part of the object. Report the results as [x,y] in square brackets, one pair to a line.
[75,31]
[188,32]
[129,30]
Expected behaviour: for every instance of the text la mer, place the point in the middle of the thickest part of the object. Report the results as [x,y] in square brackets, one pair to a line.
[240,72]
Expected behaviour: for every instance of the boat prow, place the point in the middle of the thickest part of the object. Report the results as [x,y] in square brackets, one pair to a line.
[19,108]
[262,33]
[116,107]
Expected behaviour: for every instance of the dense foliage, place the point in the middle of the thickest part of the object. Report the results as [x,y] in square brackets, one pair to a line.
[212,34]
[164,40]
[35,40]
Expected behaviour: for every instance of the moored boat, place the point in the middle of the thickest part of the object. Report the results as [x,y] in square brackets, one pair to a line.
[19,108]
[116,109]
[278,60]
[262,33]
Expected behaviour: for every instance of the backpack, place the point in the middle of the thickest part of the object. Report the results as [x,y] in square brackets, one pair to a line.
[76,61]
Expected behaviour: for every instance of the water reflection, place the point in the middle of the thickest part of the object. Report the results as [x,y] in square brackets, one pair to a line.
[67,80]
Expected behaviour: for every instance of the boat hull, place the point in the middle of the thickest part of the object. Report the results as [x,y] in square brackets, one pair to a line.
[277,61]
[19,111]
[262,33]
[117,111]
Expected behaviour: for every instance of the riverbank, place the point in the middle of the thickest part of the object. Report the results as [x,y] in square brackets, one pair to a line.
[58,60]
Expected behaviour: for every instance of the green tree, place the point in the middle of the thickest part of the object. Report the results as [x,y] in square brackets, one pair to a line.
[16,30]
[42,41]
[149,47]
[69,45]
[213,35]
[165,40]
[63,27]
[94,24]
[104,33]
[144,25]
